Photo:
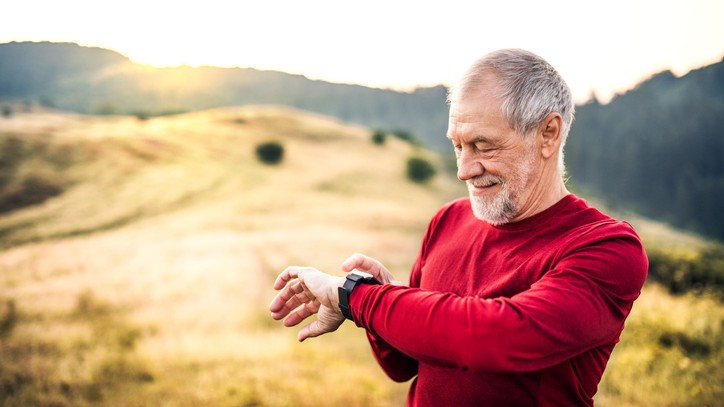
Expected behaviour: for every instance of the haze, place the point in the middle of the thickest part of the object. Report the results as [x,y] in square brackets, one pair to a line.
[602,48]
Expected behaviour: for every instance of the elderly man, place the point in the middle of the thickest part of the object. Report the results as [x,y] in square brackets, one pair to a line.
[521,290]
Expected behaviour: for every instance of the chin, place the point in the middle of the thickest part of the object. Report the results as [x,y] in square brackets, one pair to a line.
[497,211]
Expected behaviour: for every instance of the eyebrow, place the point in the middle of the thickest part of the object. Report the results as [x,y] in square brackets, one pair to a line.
[476,139]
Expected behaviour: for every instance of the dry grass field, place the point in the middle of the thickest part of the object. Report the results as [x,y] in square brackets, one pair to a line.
[146,281]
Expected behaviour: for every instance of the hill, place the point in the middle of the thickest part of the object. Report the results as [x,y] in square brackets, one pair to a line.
[105,172]
[156,257]
[99,81]
[145,278]
[657,150]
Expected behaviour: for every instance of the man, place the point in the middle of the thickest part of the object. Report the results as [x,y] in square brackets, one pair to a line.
[520,291]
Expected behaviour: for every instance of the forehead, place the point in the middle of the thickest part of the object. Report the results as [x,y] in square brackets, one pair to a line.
[476,113]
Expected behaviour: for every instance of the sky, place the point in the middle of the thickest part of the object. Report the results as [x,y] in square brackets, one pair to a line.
[601,47]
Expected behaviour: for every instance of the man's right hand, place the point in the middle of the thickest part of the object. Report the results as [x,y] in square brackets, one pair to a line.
[369,265]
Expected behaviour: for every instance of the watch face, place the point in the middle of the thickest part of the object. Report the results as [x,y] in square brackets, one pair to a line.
[362,273]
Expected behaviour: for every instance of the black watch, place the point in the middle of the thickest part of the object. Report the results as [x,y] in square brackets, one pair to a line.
[353,278]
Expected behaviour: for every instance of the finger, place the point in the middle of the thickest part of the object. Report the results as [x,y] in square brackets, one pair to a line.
[280,300]
[288,274]
[292,296]
[368,265]
[310,330]
[301,313]
[360,262]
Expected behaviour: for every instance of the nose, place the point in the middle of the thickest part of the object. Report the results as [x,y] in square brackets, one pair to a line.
[468,167]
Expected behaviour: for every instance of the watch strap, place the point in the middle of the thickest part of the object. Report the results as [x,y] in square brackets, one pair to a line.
[351,281]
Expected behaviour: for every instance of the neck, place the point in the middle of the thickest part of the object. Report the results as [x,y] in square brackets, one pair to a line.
[547,188]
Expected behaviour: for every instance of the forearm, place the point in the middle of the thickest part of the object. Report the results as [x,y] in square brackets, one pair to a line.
[475,333]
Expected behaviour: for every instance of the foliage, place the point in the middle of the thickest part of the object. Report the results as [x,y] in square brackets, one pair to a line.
[8,318]
[657,149]
[420,169]
[671,353]
[379,136]
[405,135]
[35,369]
[31,171]
[270,152]
[697,272]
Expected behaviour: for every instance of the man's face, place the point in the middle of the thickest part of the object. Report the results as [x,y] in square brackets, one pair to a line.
[497,164]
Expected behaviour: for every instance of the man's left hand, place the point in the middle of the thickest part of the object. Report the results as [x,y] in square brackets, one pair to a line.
[306,291]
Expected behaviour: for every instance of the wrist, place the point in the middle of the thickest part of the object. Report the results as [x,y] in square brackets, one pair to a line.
[352,280]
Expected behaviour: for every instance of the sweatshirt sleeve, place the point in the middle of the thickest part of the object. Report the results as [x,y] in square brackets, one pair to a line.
[397,365]
[579,304]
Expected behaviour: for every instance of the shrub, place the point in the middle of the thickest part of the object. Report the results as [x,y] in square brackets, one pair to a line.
[680,274]
[8,318]
[379,136]
[419,169]
[32,190]
[405,136]
[270,152]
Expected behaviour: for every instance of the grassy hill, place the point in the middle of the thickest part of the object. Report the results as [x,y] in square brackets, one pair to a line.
[140,273]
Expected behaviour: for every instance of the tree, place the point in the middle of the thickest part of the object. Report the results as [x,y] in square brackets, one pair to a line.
[270,152]
[420,170]
[405,135]
[379,136]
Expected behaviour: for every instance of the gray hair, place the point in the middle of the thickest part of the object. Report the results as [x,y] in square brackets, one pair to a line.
[530,89]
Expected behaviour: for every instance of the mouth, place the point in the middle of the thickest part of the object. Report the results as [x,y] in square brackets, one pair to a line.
[482,186]
[485,185]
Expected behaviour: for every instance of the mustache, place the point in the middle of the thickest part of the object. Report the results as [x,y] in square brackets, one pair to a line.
[485,181]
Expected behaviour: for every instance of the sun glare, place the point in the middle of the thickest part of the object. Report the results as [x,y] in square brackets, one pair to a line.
[396,45]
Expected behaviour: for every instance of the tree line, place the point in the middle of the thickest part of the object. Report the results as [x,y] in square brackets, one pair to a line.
[657,149]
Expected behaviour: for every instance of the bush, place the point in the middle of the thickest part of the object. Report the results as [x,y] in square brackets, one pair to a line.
[379,136]
[270,152]
[406,136]
[419,169]
[701,273]
[32,190]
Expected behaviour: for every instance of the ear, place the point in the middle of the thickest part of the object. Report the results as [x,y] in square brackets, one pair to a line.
[551,130]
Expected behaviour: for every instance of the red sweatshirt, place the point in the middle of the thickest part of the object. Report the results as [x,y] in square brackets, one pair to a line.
[523,314]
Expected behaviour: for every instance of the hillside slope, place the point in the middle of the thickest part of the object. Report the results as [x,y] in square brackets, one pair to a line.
[158,254]
[115,170]
[100,81]
[146,276]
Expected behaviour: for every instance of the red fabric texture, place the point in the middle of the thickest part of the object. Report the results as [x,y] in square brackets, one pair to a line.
[523,314]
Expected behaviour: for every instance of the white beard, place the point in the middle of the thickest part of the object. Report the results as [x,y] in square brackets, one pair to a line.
[504,206]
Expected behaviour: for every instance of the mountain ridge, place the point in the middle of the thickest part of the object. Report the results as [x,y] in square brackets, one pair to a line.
[655,149]
[131,88]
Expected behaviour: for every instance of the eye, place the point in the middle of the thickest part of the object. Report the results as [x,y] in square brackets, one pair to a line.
[484,147]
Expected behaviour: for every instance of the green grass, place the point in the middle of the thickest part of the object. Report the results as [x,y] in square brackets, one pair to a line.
[671,353]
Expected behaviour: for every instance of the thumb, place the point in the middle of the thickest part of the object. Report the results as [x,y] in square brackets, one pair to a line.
[310,330]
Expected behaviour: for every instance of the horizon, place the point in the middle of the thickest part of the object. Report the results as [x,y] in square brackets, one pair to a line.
[399,46]
[407,90]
